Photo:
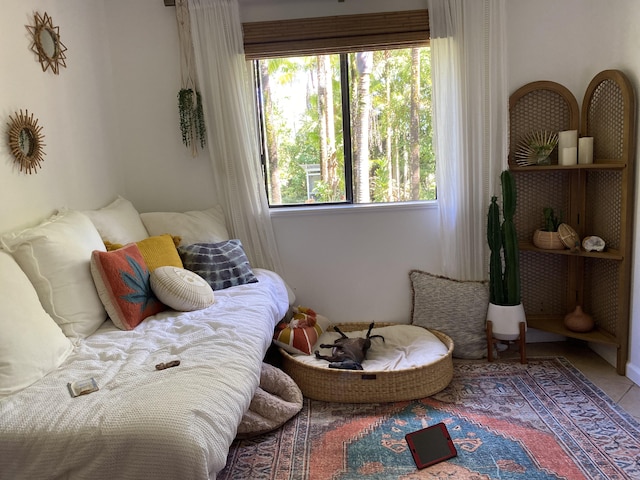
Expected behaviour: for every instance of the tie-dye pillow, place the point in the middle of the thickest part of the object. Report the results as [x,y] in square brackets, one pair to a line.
[222,264]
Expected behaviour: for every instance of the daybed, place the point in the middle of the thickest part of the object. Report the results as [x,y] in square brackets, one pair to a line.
[173,423]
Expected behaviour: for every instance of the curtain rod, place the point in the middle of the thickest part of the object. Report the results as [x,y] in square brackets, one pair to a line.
[169,3]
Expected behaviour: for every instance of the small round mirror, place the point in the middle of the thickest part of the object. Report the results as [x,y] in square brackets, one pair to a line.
[25,141]
[48,42]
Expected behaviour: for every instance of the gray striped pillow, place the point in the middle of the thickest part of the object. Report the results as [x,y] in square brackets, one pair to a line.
[222,264]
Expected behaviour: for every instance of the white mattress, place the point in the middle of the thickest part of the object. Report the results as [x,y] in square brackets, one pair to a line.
[171,424]
[404,346]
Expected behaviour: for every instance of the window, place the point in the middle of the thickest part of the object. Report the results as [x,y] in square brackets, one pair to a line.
[345,123]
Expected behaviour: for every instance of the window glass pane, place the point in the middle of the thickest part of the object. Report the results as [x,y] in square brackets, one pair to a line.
[386,158]
[303,130]
[391,129]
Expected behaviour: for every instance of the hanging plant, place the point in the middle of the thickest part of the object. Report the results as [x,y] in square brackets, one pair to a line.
[192,125]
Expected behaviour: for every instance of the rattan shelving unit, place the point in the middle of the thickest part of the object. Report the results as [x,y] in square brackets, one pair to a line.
[595,199]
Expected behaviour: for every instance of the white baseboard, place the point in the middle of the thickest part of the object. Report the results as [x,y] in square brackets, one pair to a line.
[633,373]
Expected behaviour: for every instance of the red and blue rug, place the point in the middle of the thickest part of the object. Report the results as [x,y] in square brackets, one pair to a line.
[543,420]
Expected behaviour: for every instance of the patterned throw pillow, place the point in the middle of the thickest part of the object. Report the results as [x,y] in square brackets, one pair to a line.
[222,264]
[181,289]
[122,280]
[456,308]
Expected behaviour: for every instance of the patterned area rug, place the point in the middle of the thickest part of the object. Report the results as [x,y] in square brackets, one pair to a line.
[543,420]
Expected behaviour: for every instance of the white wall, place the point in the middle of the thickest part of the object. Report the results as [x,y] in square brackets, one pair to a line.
[160,174]
[73,108]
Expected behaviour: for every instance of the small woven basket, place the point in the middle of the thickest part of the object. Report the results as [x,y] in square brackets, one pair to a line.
[366,386]
[569,237]
[547,240]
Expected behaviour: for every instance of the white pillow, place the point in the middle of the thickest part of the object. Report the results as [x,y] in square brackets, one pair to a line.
[202,226]
[56,256]
[181,289]
[31,344]
[118,222]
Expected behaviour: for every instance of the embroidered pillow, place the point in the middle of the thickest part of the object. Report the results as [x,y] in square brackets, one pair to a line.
[222,264]
[158,251]
[122,280]
[456,308]
[181,289]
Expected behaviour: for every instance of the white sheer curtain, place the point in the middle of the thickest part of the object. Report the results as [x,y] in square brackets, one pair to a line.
[470,108]
[225,81]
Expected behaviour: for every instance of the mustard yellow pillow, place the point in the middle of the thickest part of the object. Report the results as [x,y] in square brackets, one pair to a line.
[158,251]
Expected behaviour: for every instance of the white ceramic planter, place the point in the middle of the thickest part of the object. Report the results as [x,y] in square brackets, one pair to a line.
[506,320]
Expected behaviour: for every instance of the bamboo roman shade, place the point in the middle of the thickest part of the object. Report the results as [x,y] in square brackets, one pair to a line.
[337,34]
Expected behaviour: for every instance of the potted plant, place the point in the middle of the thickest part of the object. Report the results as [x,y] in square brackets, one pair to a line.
[505,307]
[548,237]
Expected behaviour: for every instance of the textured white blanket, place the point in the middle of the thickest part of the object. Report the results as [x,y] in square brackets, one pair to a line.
[170,424]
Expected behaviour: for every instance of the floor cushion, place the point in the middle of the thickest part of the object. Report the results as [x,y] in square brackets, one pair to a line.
[455,308]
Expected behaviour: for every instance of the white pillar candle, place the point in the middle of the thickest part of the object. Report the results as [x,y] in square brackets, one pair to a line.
[585,150]
[568,156]
[567,139]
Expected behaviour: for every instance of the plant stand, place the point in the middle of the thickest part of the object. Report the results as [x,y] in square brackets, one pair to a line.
[521,341]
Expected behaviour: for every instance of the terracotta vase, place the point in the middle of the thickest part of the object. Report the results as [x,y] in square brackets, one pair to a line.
[579,321]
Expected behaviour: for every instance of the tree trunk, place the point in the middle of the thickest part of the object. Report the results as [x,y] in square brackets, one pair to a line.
[414,133]
[389,132]
[272,143]
[364,63]
[328,159]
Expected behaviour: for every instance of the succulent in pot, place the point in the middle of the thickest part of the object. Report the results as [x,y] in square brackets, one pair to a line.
[547,237]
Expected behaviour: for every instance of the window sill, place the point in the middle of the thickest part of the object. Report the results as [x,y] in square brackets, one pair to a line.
[353,208]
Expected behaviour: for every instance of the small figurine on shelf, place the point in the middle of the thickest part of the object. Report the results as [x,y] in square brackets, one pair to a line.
[592,243]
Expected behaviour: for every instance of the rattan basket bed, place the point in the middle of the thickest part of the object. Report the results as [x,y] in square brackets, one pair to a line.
[365,386]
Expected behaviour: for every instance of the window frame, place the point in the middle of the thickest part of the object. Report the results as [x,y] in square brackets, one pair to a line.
[341,35]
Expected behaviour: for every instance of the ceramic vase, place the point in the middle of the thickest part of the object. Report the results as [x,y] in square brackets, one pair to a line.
[579,321]
[506,320]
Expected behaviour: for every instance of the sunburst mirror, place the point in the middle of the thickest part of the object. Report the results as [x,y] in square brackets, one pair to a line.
[46,43]
[25,141]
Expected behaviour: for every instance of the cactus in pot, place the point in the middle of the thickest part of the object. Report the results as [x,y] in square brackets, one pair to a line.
[505,311]
[504,284]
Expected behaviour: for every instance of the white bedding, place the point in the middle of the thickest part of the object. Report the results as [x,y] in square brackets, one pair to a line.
[404,346]
[171,424]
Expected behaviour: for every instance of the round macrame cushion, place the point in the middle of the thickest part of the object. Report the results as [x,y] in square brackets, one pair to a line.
[276,400]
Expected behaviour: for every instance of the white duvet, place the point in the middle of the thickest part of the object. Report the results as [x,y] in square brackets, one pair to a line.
[174,424]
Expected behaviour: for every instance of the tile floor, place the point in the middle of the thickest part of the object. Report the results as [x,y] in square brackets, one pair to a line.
[619,388]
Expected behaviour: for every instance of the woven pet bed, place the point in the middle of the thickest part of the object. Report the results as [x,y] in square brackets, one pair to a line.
[366,386]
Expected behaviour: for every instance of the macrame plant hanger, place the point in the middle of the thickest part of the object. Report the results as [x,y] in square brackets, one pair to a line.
[192,124]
